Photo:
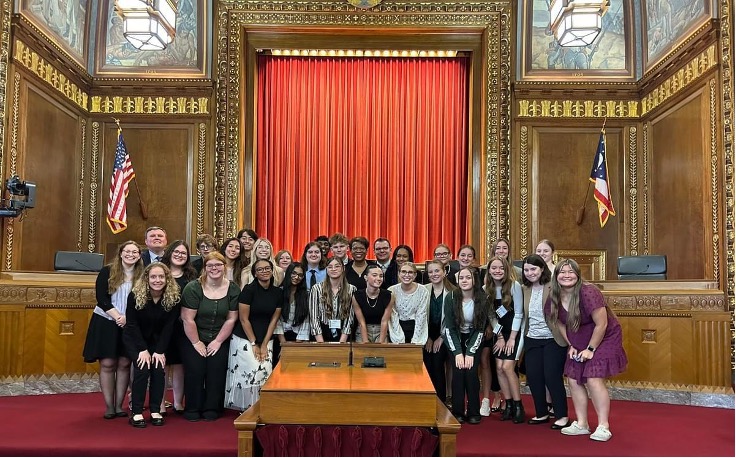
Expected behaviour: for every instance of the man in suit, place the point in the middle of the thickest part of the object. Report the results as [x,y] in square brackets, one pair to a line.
[382,249]
[156,243]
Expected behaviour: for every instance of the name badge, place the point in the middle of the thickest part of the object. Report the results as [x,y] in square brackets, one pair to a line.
[501,311]
[335,324]
[497,328]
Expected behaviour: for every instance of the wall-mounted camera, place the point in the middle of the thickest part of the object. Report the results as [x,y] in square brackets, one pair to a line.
[22,196]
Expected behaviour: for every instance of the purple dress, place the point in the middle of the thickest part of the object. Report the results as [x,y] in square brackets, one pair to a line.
[609,358]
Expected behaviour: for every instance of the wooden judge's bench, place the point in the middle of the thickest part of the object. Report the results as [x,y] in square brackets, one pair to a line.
[676,333]
[324,384]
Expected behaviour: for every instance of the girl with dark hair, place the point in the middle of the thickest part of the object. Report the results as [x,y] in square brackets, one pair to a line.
[466,316]
[373,307]
[104,342]
[176,258]
[232,251]
[331,305]
[544,347]
[150,315]
[508,308]
[251,350]
[293,326]
[246,237]
[596,350]
[402,254]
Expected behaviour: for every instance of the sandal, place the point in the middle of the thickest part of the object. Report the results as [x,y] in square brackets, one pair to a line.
[499,407]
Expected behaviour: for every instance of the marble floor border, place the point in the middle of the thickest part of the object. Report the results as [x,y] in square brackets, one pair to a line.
[88,383]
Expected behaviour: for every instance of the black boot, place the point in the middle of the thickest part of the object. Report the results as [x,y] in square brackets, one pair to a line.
[518,412]
[507,410]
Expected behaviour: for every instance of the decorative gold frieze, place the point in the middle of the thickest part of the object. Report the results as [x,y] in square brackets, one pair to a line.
[648,303]
[524,193]
[6,6]
[714,185]
[543,108]
[693,70]
[648,336]
[707,303]
[48,297]
[621,302]
[66,328]
[645,191]
[146,104]
[47,72]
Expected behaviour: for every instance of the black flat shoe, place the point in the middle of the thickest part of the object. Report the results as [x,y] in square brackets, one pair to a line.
[556,426]
[137,423]
[474,420]
[460,418]
[157,421]
[121,414]
[109,416]
[538,421]
[179,411]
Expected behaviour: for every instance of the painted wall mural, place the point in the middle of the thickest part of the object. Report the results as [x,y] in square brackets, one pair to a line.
[184,53]
[65,19]
[607,53]
[670,21]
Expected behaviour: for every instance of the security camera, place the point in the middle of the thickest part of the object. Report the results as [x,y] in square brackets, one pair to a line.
[22,196]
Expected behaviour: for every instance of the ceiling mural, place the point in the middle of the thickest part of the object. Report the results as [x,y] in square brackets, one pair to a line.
[66,20]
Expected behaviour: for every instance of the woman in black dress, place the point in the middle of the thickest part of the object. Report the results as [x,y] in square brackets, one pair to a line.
[104,342]
[177,259]
[373,307]
[150,318]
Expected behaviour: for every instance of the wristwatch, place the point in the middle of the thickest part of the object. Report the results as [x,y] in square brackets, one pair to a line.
[590,348]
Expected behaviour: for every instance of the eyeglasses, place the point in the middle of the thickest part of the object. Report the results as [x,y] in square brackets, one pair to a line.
[206,246]
[260,270]
[215,265]
[407,272]
[297,274]
[179,253]
[381,248]
[131,252]
[441,254]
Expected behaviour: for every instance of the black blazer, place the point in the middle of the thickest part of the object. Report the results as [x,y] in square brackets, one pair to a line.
[104,299]
[147,329]
[146,256]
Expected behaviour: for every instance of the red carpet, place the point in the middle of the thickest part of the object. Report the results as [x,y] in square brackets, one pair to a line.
[72,425]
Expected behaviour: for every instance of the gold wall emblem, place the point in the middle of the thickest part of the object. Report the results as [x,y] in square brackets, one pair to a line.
[365,4]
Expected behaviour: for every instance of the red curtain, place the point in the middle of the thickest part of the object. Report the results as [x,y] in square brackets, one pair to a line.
[376,147]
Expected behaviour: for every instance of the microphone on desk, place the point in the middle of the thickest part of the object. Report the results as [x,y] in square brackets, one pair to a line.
[350,355]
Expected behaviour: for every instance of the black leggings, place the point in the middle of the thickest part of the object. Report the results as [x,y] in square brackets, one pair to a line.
[545,362]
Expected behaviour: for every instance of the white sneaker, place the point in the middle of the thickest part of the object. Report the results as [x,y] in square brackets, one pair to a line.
[601,434]
[485,407]
[574,430]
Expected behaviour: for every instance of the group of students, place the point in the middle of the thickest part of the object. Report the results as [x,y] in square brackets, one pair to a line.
[217,323]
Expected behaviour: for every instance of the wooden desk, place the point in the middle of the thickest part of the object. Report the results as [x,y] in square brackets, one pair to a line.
[400,394]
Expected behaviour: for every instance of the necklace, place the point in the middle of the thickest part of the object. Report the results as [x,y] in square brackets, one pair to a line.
[375,301]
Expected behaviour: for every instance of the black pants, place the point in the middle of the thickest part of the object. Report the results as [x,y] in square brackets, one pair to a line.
[465,382]
[204,380]
[157,376]
[545,362]
[330,335]
[408,327]
[435,364]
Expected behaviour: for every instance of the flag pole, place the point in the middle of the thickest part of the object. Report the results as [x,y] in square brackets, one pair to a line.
[141,204]
[581,210]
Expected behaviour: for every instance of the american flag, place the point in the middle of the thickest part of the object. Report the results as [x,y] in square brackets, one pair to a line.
[122,173]
[599,176]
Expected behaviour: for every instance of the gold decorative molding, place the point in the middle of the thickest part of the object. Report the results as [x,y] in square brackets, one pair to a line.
[146,104]
[10,224]
[596,259]
[201,168]
[670,387]
[93,185]
[524,193]
[633,195]
[714,185]
[80,202]
[692,71]
[49,297]
[645,187]
[495,17]
[52,76]
[648,336]
[544,108]
[669,305]
[7,7]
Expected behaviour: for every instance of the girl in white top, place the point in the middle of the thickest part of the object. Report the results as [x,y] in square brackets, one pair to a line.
[410,314]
